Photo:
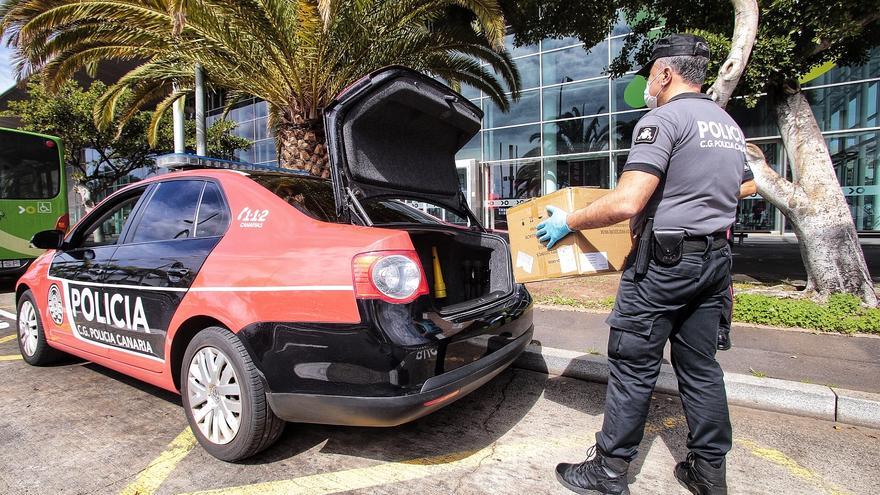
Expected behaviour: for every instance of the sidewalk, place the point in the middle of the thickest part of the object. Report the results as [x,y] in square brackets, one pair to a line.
[849,362]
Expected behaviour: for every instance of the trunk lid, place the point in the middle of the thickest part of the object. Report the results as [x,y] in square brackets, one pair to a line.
[395,133]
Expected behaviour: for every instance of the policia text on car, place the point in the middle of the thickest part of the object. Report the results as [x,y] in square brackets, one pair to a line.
[680,188]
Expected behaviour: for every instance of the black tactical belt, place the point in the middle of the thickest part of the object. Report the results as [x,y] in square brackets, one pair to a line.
[697,244]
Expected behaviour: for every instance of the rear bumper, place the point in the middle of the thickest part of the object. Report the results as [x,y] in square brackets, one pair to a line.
[395,410]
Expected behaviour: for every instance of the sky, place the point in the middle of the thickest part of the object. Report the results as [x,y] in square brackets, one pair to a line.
[7,79]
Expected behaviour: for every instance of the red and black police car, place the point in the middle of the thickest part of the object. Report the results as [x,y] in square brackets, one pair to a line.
[265,297]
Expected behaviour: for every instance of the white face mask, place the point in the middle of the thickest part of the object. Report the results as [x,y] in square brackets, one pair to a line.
[651,101]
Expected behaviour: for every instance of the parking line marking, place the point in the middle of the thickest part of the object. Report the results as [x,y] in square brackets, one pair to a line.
[394,472]
[7,314]
[14,357]
[7,338]
[790,465]
[413,469]
[154,474]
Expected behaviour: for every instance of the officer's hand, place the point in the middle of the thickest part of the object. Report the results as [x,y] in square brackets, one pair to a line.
[554,228]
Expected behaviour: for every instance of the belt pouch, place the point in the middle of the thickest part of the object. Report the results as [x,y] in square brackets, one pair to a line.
[668,246]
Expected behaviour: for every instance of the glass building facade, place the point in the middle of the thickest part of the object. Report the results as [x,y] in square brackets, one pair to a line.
[572,126]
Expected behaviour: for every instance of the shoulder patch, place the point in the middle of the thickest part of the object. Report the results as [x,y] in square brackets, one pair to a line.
[646,134]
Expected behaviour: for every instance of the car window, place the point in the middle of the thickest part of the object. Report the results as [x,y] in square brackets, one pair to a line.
[388,211]
[308,195]
[170,213]
[107,229]
[213,215]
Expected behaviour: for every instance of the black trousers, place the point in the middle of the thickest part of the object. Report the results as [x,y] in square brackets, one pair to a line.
[682,304]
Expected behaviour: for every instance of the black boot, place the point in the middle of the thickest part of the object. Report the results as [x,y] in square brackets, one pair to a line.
[601,474]
[700,477]
[724,343]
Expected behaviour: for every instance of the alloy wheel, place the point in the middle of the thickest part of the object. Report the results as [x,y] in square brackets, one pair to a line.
[214,395]
[28,332]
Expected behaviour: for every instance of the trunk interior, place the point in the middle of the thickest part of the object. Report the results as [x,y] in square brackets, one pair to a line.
[475,267]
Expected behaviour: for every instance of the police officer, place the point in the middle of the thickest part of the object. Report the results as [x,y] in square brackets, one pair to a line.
[679,189]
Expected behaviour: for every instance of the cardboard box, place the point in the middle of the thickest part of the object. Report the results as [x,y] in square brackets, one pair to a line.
[588,252]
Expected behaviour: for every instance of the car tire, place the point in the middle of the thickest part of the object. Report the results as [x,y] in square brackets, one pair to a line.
[32,342]
[209,387]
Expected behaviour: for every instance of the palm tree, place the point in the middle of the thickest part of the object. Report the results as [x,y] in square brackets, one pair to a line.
[294,54]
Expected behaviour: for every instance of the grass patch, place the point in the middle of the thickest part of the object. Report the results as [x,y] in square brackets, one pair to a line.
[842,313]
[757,374]
[605,303]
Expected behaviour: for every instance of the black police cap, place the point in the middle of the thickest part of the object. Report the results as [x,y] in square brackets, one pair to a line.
[676,45]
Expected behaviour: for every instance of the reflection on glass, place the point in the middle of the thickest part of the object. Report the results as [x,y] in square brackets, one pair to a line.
[515,180]
[617,48]
[576,136]
[512,142]
[576,100]
[856,160]
[618,89]
[265,151]
[575,63]
[759,121]
[845,107]
[552,43]
[518,51]
[869,70]
[579,171]
[754,213]
[471,150]
[524,111]
[529,73]
[622,128]
[469,91]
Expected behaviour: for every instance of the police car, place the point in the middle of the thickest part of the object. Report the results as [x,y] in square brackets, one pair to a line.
[267,297]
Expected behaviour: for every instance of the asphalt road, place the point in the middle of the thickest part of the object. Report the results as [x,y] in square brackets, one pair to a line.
[77,428]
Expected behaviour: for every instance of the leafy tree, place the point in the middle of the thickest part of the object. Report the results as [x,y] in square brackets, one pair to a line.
[793,37]
[120,149]
[294,54]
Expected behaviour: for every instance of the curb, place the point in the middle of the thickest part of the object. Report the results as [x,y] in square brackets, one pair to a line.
[767,394]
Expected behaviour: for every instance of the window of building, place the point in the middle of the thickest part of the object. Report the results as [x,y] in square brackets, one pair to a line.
[576,100]
[577,171]
[526,110]
[512,142]
[576,136]
[574,64]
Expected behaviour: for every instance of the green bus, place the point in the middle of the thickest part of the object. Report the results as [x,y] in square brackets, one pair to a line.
[33,195]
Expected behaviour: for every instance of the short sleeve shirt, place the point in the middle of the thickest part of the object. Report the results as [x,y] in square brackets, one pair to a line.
[698,152]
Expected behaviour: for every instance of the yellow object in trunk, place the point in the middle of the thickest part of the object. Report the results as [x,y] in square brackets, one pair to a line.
[439,284]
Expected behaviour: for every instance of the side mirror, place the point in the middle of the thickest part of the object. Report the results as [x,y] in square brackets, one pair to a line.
[48,239]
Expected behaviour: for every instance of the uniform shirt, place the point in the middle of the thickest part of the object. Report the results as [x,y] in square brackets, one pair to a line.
[698,152]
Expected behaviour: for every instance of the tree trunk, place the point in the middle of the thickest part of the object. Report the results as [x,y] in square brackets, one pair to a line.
[745,29]
[814,203]
[302,145]
[86,196]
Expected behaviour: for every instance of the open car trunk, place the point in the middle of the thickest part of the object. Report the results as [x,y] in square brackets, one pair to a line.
[393,135]
[474,267]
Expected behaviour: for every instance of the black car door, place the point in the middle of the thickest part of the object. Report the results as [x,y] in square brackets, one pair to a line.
[158,259]
[79,270]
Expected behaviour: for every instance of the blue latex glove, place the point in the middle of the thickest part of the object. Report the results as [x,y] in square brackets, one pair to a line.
[554,228]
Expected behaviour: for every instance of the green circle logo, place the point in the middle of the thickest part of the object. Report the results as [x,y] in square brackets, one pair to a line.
[634,94]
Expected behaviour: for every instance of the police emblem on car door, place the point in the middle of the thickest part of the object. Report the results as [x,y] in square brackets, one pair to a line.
[170,235]
[79,270]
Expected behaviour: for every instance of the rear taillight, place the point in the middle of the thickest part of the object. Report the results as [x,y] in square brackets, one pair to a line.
[392,276]
[63,223]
